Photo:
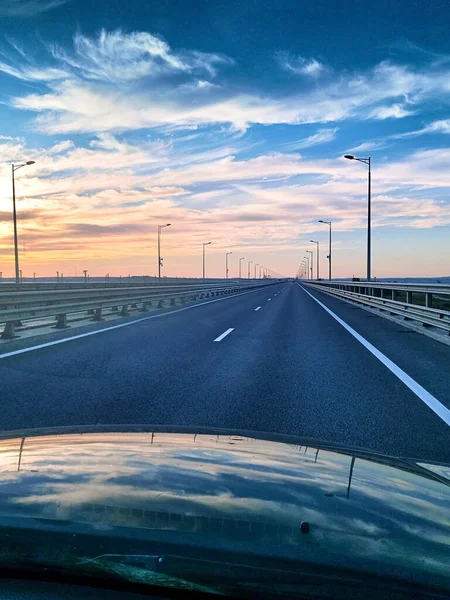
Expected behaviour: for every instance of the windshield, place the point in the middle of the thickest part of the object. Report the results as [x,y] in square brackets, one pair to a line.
[226,219]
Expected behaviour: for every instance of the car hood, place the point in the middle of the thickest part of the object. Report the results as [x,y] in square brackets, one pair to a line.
[237,492]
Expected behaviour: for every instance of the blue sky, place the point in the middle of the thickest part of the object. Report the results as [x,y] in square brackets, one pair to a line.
[229,120]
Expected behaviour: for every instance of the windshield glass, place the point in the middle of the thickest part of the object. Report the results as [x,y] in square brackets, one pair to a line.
[225,293]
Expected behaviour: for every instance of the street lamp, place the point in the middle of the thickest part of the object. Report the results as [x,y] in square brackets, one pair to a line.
[241,259]
[329,249]
[204,244]
[307,268]
[14,168]
[249,263]
[260,268]
[159,249]
[311,264]
[317,269]
[366,161]
[226,261]
[256,264]
[303,264]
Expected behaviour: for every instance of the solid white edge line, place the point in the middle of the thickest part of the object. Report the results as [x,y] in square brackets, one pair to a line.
[437,407]
[224,334]
[119,326]
[257,308]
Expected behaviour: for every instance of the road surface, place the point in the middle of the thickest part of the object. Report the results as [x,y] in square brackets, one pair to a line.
[271,360]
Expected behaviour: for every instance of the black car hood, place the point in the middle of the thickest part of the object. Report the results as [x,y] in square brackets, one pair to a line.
[231,491]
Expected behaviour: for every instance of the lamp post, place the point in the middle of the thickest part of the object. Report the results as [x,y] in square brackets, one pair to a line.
[260,268]
[240,261]
[318,260]
[311,264]
[159,249]
[14,168]
[307,267]
[204,244]
[303,265]
[329,248]
[249,263]
[366,161]
[226,264]
[256,264]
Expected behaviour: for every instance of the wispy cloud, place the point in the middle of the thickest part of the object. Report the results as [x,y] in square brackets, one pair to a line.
[310,67]
[394,111]
[366,146]
[28,8]
[321,137]
[120,81]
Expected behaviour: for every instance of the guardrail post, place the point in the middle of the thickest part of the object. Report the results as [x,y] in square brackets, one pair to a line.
[124,312]
[160,303]
[10,330]
[408,297]
[61,321]
[98,315]
[429,300]
[172,302]
[394,294]
[144,307]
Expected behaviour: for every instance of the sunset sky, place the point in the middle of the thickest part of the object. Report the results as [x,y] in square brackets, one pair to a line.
[229,120]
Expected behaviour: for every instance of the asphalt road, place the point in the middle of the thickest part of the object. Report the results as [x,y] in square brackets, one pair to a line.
[286,367]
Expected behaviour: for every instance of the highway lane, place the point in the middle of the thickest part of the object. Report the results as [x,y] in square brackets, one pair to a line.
[272,360]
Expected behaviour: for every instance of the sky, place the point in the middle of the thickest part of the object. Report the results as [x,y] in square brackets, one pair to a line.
[229,120]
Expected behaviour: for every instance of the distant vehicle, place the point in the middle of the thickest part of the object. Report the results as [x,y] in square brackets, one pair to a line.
[356,279]
[221,513]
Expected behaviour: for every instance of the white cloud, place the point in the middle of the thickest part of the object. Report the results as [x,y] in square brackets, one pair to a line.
[28,8]
[394,111]
[61,147]
[321,137]
[103,85]
[366,146]
[122,57]
[300,65]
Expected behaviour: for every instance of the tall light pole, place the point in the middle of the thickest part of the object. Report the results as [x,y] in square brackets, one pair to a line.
[329,248]
[366,161]
[256,264]
[14,168]
[260,268]
[159,249]
[307,268]
[304,267]
[226,264]
[318,260]
[311,264]
[249,263]
[203,270]
[240,260]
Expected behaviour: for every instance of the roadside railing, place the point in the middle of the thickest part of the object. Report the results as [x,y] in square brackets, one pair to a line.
[424,303]
[18,306]
[67,284]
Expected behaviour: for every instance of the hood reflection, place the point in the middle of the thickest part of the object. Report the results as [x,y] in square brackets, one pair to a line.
[233,488]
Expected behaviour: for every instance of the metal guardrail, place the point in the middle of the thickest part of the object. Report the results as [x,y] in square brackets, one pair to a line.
[426,304]
[17,306]
[66,284]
